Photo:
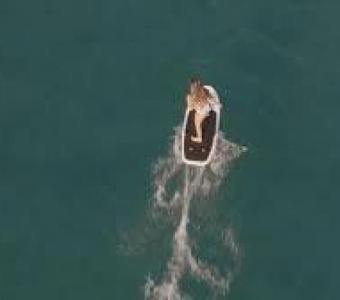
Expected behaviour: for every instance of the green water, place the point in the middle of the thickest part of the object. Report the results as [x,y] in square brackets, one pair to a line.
[89,94]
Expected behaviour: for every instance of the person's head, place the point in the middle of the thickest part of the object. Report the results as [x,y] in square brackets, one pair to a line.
[195,83]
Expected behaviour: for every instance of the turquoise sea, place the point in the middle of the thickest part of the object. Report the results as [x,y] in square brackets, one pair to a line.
[90,94]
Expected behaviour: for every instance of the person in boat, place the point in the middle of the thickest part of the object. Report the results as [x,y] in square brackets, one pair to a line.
[199,99]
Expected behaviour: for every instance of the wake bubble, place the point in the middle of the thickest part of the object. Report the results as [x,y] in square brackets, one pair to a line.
[176,184]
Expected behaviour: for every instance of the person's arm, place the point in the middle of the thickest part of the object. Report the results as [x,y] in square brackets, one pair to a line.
[214,103]
[189,102]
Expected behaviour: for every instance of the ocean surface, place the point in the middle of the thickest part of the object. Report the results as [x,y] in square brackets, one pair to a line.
[91,94]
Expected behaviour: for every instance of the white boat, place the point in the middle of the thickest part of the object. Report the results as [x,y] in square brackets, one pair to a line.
[200,154]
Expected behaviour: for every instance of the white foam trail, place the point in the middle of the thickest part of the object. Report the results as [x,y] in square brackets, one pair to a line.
[197,181]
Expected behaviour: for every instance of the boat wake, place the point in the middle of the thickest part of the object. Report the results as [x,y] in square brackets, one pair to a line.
[175,186]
